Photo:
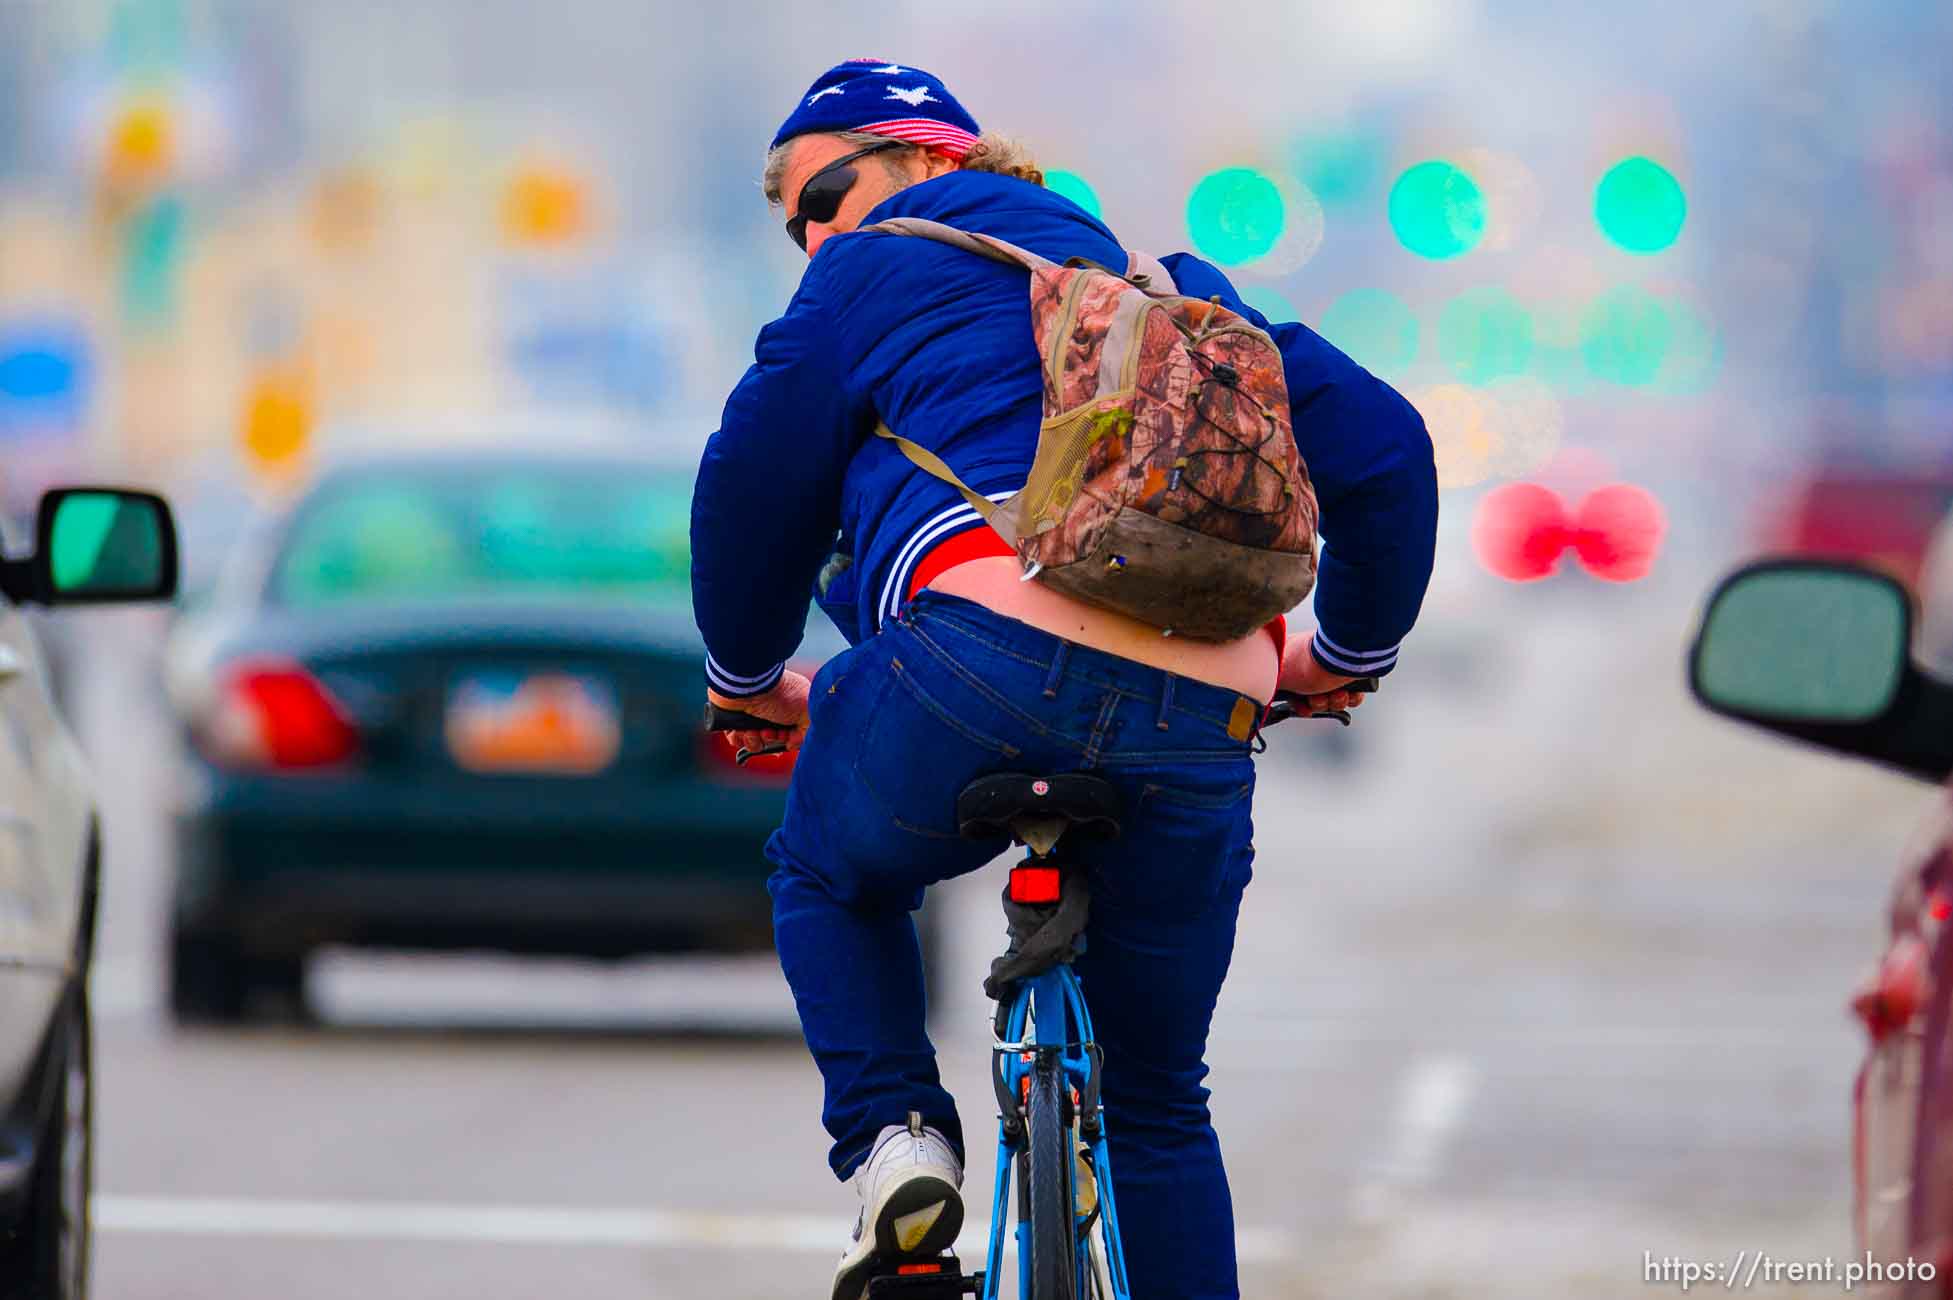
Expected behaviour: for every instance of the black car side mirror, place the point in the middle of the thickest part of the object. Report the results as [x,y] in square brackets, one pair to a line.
[96,545]
[1821,652]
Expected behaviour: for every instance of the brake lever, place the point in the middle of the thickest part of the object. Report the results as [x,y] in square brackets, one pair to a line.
[1287,704]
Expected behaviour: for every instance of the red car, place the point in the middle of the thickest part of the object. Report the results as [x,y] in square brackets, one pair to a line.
[1880,518]
[1827,652]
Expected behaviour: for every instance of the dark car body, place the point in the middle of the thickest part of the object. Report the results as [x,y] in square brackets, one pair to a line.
[522,765]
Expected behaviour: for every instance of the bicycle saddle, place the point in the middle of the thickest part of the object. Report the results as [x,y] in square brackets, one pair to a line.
[989,806]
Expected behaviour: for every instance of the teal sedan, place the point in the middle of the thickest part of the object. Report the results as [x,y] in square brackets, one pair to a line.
[454,700]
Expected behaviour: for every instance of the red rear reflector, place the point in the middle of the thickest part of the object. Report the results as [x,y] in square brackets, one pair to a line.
[905,1269]
[1034,884]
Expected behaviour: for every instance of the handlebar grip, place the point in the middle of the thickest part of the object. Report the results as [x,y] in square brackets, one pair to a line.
[718,719]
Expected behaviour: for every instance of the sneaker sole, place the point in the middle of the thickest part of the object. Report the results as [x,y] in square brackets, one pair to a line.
[919,1219]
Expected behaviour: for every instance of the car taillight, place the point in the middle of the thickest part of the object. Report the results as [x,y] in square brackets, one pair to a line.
[718,755]
[1889,1000]
[274,714]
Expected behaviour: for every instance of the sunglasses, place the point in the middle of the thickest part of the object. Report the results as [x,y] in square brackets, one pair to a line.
[820,197]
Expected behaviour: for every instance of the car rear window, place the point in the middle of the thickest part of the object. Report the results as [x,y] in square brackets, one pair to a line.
[597,532]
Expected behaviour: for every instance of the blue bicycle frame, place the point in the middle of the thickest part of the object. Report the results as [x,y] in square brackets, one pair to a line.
[1052,1007]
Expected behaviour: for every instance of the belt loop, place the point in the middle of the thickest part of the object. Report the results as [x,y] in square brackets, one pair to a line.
[1057,673]
[1166,701]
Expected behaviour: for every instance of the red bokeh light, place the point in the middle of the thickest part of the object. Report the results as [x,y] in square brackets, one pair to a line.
[1617,532]
[1523,528]
[1520,531]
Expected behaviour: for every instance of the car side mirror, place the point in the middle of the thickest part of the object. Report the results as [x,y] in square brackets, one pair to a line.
[96,545]
[1820,651]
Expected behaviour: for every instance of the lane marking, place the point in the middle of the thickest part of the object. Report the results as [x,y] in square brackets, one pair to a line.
[190,1216]
[1433,1099]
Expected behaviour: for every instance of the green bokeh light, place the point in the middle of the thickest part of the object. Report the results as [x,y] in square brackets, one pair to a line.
[1235,215]
[1270,303]
[1625,337]
[1339,167]
[1557,358]
[1640,205]
[152,263]
[1073,187]
[1437,210]
[1484,334]
[1694,355]
[1377,329]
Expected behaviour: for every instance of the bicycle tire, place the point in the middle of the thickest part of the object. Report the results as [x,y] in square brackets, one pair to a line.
[1050,1154]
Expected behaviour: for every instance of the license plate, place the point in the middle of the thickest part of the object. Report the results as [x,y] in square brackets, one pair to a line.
[533,722]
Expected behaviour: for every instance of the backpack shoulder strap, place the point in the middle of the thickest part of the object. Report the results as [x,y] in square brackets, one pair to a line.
[936,467]
[997,250]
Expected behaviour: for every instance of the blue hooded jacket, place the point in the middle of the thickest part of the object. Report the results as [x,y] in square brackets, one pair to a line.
[795,489]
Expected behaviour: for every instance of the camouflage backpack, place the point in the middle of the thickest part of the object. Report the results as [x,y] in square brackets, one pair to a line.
[1167,484]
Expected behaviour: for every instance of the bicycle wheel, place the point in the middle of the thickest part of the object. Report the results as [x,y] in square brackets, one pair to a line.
[1049,1149]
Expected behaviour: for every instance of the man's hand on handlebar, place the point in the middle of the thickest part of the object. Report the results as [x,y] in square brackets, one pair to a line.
[785,704]
[1323,690]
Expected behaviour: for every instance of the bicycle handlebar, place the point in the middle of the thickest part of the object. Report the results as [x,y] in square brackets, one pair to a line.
[718,719]
[1287,705]
[1290,705]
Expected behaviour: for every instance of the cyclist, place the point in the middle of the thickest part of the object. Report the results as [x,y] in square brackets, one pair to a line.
[957,668]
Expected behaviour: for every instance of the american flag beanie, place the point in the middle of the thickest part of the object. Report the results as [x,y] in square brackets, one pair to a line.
[883,98]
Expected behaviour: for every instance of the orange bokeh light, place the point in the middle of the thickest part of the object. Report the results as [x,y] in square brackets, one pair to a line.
[545,205]
[141,142]
[277,420]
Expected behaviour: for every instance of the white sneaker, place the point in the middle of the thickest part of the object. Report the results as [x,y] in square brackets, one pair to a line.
[911,1204]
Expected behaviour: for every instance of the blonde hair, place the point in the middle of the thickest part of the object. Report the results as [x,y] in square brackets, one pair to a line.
[1004,155]
[1001,154]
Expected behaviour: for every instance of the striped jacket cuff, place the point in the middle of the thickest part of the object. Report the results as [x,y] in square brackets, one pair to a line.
[1352,663]
[738,686]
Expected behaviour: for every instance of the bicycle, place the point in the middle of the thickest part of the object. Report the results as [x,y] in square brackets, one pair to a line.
[1045,1063]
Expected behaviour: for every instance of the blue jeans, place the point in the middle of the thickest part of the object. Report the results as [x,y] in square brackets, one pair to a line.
[900,724]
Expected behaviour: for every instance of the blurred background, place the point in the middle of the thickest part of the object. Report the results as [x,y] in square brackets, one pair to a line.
[1544,968]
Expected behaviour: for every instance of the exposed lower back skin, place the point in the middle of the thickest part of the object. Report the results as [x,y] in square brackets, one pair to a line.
[1248,665]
